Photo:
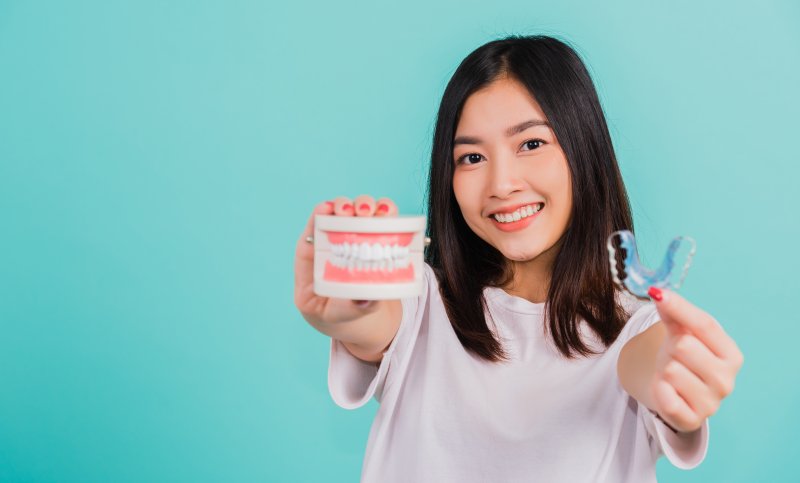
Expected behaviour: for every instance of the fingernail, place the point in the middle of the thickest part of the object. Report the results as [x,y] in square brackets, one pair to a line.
[347,207]
[382,208]
[329,204]
[656,294]
[363,207]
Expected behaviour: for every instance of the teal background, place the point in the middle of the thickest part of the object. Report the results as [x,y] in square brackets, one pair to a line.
[158,161]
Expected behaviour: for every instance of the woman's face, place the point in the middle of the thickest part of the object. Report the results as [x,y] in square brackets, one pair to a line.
[509,162]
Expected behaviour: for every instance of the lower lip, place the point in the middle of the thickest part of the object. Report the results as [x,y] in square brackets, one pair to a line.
[515,225]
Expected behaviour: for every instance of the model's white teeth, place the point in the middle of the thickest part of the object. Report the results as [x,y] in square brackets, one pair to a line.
[374,265]
[365,256]
[519,214]
[367,252]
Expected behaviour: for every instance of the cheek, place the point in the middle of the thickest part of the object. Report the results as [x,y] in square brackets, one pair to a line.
[558,184]
[461,189]
[566,198]
[457,187]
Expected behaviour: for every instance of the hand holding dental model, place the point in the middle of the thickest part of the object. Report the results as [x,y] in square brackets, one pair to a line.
[359,250]
[368,257]
[697,362]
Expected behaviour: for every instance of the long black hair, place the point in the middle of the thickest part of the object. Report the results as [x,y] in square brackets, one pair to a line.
[581,286]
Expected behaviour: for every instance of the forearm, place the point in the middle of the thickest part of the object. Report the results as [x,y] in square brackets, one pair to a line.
[369,335]
[636,366]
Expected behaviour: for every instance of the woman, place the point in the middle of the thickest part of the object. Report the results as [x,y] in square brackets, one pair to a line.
[521,361]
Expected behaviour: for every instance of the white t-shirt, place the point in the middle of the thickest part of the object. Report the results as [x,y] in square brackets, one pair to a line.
[446,415]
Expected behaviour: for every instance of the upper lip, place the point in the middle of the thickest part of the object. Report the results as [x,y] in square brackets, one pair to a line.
[513,208]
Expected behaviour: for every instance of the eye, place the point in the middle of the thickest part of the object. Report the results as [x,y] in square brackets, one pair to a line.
[473,157]
[532,144]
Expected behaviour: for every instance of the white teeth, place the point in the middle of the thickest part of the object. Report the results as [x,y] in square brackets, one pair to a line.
[377,251]
[364,251]
[519,214]
[369,257]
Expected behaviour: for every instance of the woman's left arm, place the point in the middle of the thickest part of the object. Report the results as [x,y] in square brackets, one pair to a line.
[681,367]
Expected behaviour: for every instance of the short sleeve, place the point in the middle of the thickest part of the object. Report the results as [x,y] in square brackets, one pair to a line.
[352,382]
[684,451]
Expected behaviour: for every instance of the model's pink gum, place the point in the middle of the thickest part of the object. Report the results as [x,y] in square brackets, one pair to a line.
[402,239]
[345,275]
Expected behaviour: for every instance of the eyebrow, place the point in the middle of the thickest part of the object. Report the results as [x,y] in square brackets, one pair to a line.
[509,132]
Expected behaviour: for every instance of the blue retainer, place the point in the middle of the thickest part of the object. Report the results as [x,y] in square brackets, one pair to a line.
[636,277]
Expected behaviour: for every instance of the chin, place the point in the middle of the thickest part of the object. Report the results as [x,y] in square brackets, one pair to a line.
[520,255]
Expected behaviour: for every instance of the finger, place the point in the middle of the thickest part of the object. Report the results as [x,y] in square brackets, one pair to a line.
[305,250]
[364,205]
[340,310]
[699,359]
[304,257]
[673,408]
[678,315]
[324,208]
[385,207]
[343,206]
[363,304]
[691,389]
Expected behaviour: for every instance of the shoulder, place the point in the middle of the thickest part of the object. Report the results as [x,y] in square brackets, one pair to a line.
[429,289]
[629,302]
[642,314]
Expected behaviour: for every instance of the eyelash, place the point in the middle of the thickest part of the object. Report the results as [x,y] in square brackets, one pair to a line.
[460,160]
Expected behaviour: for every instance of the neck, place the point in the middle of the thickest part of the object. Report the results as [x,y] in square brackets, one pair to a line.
[531,278]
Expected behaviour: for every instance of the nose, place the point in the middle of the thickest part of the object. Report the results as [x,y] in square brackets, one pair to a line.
[504,177]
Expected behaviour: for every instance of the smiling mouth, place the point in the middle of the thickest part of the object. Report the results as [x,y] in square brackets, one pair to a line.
[519,213]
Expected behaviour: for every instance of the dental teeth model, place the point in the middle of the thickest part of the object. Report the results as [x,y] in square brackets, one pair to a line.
[636,277]
[368,258]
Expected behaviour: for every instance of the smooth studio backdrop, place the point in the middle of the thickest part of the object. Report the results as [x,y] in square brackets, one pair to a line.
[158,161]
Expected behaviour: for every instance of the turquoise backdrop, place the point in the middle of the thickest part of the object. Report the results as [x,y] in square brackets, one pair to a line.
[158,161]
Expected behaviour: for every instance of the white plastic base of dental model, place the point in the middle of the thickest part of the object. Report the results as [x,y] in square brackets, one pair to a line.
[414,225]
[368,291]
[367,224]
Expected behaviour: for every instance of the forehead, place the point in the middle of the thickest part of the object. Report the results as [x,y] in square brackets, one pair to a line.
[501,103]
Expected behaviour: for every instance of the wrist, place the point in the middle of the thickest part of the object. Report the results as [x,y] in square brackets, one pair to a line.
[658,416]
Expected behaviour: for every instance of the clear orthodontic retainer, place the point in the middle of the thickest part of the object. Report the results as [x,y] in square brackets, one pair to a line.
[368,258]
[637,278]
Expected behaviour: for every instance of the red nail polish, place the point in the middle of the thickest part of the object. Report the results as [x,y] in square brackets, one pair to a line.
[363,207]
[382,208]
[329,204]
[347,207]
[655,294]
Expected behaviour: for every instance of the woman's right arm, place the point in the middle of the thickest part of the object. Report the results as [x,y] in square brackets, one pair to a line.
[366,328]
